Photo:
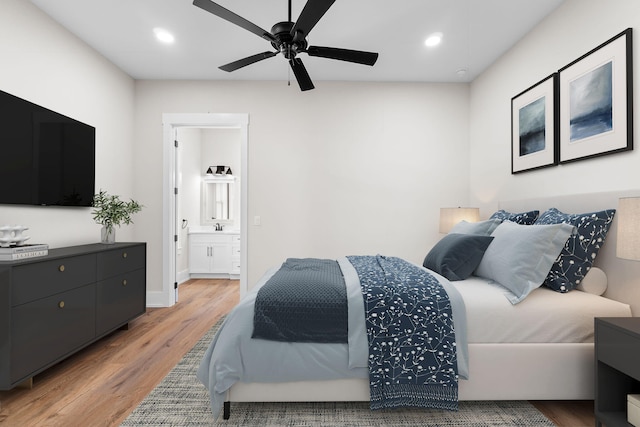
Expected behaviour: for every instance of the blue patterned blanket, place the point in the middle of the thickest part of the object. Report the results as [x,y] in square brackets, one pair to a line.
[412,345]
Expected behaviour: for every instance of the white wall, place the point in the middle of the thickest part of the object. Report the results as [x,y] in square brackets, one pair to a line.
[575,28]
[45,64]
[349,168]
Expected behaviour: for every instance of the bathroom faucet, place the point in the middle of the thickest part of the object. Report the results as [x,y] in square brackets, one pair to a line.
[218,227]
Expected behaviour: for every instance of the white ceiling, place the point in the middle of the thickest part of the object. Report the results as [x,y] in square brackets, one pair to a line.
[476,33]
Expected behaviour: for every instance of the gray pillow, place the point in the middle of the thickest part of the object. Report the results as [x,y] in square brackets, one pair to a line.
[520,256]
[484,228]
[457,255]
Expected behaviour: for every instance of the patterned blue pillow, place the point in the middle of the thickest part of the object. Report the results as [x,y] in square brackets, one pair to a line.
[581,249]
[524,218]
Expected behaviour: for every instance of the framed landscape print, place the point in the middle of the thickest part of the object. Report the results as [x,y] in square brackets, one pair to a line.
[596,101]
[534,115]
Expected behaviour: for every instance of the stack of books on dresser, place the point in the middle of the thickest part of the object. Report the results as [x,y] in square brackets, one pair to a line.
[14,253]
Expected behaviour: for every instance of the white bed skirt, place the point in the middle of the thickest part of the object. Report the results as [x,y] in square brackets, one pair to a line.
[496,372]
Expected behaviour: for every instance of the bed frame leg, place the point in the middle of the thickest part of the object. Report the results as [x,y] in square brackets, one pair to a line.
[226,411]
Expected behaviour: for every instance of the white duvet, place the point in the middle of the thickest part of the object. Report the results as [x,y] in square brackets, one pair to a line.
[545,316]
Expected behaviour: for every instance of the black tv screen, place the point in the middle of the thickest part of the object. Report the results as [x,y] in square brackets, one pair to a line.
[48,159]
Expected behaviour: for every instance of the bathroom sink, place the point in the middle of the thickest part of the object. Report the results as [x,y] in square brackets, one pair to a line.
[212,229]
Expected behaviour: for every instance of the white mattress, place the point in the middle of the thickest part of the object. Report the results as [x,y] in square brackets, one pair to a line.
[545,316]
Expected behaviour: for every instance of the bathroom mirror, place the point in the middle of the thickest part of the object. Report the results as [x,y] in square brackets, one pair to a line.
[216,200]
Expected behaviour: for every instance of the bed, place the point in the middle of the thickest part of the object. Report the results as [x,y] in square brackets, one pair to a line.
[533,347]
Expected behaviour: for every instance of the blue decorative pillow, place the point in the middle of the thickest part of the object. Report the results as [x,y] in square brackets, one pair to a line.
[581,249]
[455,256]
[524,218]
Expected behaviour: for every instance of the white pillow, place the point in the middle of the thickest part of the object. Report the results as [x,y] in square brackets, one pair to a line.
[520,256]
[595,282]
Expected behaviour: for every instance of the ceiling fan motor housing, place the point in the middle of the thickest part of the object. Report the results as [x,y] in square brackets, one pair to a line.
[285,43]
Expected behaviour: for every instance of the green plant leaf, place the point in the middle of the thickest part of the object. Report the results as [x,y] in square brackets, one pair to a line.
[109,210]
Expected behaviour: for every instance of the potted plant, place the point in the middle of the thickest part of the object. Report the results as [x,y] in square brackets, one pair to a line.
[110,211]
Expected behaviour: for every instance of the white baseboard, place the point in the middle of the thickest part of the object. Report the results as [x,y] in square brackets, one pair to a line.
[183,276]
[158,299]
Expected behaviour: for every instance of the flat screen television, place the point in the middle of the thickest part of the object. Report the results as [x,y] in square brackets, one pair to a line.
[46,158]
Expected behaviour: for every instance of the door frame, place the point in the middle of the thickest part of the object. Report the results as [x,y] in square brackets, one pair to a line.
[170,123]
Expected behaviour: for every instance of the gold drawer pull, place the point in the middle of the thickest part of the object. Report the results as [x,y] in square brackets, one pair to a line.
[124,282]
[61,304]
[124,255]
[61,268]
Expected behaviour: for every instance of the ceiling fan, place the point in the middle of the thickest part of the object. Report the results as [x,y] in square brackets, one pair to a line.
[290,39]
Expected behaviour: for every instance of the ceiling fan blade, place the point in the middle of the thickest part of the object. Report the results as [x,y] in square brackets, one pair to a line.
[309,17]
[301,74]
[232,66]
[227,15]
[357,56]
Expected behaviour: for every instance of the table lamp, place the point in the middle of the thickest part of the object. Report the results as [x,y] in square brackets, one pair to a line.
[628,214]
[451,216]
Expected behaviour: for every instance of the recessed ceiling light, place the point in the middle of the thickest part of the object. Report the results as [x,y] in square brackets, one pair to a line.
[163,35]
[433,40]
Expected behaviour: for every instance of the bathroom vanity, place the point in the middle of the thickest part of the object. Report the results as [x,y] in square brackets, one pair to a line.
[214,254]
[214,245]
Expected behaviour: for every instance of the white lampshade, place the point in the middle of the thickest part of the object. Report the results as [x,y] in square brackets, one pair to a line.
[451,216]
[628,214]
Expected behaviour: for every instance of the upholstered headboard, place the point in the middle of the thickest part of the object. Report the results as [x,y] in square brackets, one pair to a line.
[623,275]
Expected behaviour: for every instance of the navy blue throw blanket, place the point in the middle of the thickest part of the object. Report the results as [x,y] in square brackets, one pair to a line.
[412,345]
[304,301]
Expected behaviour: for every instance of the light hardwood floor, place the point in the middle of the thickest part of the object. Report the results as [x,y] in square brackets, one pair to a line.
[103,383]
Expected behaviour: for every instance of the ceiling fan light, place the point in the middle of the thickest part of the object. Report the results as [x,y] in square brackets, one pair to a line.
[163,35]
[433,40]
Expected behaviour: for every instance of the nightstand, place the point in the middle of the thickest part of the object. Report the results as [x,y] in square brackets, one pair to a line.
[617,348]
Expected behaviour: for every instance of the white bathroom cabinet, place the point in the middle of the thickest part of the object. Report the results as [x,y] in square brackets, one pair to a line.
[214,255]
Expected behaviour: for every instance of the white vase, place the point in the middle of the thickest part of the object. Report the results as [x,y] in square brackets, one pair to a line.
[107,235]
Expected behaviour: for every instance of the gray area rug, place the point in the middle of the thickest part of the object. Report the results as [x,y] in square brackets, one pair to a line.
[181,400]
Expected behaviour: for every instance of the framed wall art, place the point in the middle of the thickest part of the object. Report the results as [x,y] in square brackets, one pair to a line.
[596,101]
[534,117]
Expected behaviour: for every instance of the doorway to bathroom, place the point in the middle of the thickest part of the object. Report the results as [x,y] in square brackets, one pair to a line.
[204,128]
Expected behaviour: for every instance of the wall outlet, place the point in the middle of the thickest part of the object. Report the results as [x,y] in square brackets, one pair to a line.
[256,220]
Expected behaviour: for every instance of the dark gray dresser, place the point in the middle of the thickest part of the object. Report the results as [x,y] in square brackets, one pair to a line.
[53,306]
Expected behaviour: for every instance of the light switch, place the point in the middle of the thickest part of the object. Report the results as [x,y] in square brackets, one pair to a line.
[256,220]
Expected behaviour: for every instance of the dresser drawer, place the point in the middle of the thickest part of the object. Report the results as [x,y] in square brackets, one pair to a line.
[618,349]
[43,279]
[120,299]
[47,329]
[118,261]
